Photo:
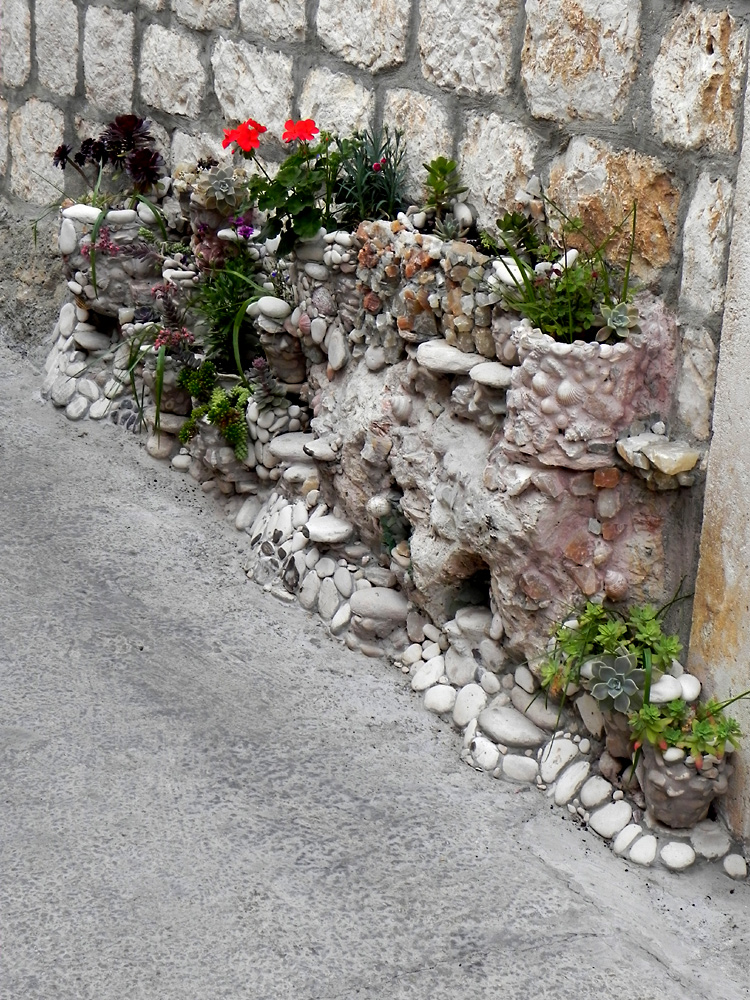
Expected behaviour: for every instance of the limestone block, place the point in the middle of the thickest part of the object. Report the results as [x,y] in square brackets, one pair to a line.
[427,128]
[705,241]
[599,184]
[466,47]
[698,77]
[579,57]
[187,148]
[57,45]
[278,21]
[496,158]
[206,14]
[36,130]
[153,5]
[336,102]
[3,135]
[367,33]
[15,42]
[253,81]
[108,58]
[172,77]
[697,380]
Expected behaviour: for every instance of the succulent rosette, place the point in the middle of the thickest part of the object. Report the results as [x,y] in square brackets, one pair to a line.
[617,681]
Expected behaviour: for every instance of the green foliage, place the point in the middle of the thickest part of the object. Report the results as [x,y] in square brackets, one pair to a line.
[226,411]
[698,729]
[199,382]
[222,298]
[616,681]
[603,633]
[442,185]
[371,176]
[567,294]
[298,199]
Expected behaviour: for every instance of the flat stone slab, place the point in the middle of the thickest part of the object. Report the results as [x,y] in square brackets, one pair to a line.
[440,356]
[507,726]
[329,530]
[380,603]
[291,447]
[492,374]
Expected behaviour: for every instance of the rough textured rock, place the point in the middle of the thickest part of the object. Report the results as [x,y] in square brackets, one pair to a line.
[599,184]
[279,21]
[336,101]
[15,42]
[172,76]
[35,129]
[698,79]
[705,240]
[697,380]
[108,67]
[427,127]
[187,148]
[579,57]
[206,14]
[3,135]
[496,158]
[57,33]
[249,77]
[367,33]
[465,48]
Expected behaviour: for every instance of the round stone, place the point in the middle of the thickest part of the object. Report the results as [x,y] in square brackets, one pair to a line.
[67,241]
[440,699]
[440,356]
[677,856]
[556,755]
[428,673]
[570,781]
[691,687]
[735,866]
[380,603]
[666,689]
[330,530]
[610,819]
[470,701]
[517,768]
[486,755]
[274,307]
[625,838]
[492,374]
[595,791]
[507,726]
[77,408]
[643,851]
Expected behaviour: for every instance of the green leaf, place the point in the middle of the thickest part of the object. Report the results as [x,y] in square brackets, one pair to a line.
[159,385]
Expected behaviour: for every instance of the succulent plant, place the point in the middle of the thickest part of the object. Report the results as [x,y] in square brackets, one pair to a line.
[621,319]
[617,681]
[216,190]
[266,391]
[449,228]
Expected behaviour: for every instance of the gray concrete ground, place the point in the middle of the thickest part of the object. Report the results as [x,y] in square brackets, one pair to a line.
[206,798]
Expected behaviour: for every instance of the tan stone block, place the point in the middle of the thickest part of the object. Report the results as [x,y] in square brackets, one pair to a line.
[108,58]
[3,135]
[188,148]
[367,33]
[280,20]
[15,42]
[698,77]
[253,82]
[427,129]
[206,14]
[599,184]
[496,158]
[705,243]
[336,101]
[579,57]
[57,45]
[36,130]
[172,77]
[466,47]
[697,380]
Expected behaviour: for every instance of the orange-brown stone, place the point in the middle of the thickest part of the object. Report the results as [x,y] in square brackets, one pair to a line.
[607,478]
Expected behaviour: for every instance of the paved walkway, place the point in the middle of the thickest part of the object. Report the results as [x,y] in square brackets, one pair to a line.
[205,798]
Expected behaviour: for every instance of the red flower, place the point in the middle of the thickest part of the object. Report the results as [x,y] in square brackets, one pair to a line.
[305,129]
[246,135]
[377,167]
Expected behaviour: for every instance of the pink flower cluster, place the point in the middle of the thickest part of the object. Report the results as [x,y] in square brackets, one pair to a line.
[103,245]
[173,339]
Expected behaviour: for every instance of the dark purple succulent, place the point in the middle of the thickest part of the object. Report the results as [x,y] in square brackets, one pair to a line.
[144,167]
[91,151]
[126,133]
[61,154]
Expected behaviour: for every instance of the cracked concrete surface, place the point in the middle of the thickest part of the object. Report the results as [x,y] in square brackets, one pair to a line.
[203,796]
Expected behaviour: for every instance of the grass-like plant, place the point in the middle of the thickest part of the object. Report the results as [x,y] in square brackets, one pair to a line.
[371,176]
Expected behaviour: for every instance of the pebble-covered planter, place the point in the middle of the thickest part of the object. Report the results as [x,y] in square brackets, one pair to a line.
[407,399]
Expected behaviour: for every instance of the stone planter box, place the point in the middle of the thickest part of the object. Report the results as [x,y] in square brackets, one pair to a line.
[677,794]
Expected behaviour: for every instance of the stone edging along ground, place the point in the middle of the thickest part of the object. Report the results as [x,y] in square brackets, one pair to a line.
[299,549]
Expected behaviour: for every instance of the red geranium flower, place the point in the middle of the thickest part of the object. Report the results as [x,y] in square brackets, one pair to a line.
[246,135]
[305,129]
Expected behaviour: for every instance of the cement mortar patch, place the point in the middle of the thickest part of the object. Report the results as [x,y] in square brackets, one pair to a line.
[579,58]
[467,48]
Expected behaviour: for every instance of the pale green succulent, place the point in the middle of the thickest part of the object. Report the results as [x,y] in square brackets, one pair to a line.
[617,681]
[217,190]
[449,228]
[620,319]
